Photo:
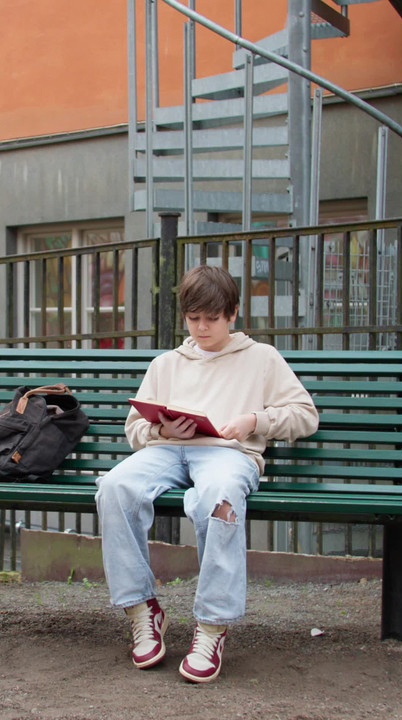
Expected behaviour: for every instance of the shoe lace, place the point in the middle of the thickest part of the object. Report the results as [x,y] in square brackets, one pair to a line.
[205,644]
[142,626]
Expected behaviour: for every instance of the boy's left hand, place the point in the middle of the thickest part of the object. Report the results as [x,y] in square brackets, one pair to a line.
[239,428]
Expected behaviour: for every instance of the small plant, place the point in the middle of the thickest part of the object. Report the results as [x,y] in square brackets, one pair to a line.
[176,581]
[87,584]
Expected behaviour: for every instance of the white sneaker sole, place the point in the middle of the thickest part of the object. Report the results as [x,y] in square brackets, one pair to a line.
[197,678]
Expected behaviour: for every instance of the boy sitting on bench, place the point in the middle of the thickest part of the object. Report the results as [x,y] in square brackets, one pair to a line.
[252,396]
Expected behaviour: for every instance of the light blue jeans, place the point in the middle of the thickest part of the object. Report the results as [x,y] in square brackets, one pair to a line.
[210,476]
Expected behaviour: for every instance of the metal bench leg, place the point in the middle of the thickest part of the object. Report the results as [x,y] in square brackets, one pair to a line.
[391,624]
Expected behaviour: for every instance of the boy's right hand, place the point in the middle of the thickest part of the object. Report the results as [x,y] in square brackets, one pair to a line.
[181,428]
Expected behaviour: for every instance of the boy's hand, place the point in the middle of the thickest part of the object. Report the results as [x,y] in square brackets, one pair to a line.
[239,428]
[181,428]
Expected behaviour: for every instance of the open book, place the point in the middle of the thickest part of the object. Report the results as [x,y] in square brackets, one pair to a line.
[149,409]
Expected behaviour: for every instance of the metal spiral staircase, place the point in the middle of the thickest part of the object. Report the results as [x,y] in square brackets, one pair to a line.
[234,153]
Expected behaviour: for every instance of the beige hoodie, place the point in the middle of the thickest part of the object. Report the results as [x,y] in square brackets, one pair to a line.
[244,377]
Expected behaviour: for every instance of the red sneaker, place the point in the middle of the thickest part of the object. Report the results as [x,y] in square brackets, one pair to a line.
[203,662]
[148,626]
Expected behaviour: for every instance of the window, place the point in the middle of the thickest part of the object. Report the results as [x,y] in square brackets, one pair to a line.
[47,287]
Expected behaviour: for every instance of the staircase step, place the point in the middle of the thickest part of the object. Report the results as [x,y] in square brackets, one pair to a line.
[321,30]
[211,201]
[214,228]
[172,141]
[277,43]
[231,84]
[222,112]
[172,169]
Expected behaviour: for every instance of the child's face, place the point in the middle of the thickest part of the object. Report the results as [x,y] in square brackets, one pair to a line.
[211,332]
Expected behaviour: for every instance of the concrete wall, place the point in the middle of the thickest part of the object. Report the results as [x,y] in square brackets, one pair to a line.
[349,154]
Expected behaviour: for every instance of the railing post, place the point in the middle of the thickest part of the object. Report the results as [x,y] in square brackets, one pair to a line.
[167,279]
[167,529]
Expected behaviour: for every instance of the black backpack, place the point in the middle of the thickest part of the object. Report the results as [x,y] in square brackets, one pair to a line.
[38,429]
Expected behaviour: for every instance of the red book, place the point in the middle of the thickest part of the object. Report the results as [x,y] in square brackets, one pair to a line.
[149,409]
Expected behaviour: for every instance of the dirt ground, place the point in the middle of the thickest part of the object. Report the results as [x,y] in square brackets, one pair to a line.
[65,655]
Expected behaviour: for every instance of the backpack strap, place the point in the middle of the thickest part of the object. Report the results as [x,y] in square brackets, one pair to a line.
[59,389]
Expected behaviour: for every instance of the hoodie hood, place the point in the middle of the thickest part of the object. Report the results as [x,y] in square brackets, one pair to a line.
[238,341]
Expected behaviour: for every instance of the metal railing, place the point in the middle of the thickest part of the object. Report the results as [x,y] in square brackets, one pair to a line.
[349,295]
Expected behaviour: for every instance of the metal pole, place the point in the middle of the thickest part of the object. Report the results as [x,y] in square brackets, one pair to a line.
[381,189]
[167,279]
[191,4]
[238,18]
[315,157]
[311,265]
[149,98]
[248,142]
[132,100]
[188,134]
[299,12]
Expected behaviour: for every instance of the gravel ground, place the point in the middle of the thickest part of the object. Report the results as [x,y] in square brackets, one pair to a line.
[65,655]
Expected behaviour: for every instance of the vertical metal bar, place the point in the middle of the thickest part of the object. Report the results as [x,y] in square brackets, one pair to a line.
[192,26]
[180,265]
[96,292]
[134,292]
[320,291]
[238,19]
[246,285]
[155,55]
[62,525]
[167,278]
[295,289]
[60,298]
[149,117]
[299,24]
[115,311]
[225,254]
[10,299]
[188,134]
[26,291]
[380,212]
[271,288]
[2,536]
[132,100]
[381,184]
[315,157]
[372,287]
[203,253]
[346,289]
[78,296]
[13,541]
[78,523]
[248,141]
[43,309]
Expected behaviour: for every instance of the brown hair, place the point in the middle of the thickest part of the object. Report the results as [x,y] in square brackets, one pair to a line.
[208,289]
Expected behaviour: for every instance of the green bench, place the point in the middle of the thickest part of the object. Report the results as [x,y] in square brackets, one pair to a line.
[349,471]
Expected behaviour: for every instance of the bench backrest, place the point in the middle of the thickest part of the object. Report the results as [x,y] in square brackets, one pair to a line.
[358,395]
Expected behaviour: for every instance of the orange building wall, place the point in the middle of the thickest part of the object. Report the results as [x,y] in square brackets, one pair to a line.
[63,63]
